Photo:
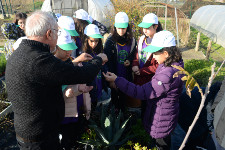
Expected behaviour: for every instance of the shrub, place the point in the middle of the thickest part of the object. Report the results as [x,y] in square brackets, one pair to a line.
[201,70]
[2,64]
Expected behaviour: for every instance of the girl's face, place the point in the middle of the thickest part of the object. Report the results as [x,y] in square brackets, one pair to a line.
[92,42]
[121,31]
[21,22]
[63,55]
[160,57]
[150,31]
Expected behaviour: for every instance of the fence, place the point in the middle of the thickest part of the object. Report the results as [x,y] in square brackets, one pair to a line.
[10,7]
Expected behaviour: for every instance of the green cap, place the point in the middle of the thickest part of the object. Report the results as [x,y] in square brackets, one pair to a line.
[145,25]
[68,46]
[121,25]
[72,32]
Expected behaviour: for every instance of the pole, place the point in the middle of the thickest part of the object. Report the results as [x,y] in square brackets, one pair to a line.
[10,6]
[191,10]
[178,43]
[198,41]
[6,7]
[165,17]
[208,49]
[34,4]
[2,8]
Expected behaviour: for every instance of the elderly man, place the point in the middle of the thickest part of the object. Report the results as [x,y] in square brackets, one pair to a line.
[34,78]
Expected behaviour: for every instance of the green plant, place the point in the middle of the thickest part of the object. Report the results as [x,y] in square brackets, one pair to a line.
[2,63]
[201,70]
[136,146]
[109,132]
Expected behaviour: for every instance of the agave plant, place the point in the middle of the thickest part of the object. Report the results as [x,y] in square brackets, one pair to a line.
[110,131]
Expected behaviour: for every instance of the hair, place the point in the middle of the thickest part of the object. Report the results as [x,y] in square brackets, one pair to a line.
[159,27]
[39,23]
[86,47]
[80,26]
[128,35]
[20,16]
[174,55]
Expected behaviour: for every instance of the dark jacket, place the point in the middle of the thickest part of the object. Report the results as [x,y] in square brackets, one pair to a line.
[111,51]
[34,79]
[162,94]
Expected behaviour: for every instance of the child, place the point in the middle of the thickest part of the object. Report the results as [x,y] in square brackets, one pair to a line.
[93,45]
[80,18]
[12,32]
[144,65]
[20,22]
[70,126]
[120,48]
[162,92]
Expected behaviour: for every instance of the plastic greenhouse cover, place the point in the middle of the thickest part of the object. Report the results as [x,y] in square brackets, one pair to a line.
[100,10]
[210,20]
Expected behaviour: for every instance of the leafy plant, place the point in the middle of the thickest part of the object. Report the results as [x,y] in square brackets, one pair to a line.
[2,64]
[109,132]
[200,70]
[136,146]
[3,92]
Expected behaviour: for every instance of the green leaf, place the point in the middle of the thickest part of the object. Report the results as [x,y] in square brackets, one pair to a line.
[107,122]
[100,133]
[117,122]
[119,133]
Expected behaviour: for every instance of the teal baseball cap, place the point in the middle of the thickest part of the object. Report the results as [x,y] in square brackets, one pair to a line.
[121,20]
[64,41]
[160,40]
[67,23]
[148,20]
[92,30]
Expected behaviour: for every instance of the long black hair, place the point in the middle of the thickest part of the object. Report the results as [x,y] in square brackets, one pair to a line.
[174,55]
[80,26]
[19,16]
[86,47]
[128,35]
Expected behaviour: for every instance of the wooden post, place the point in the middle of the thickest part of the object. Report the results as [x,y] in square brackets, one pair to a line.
[165,17]
[198,41]
[208,49]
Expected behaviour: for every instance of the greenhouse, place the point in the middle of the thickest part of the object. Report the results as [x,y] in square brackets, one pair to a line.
[210,20]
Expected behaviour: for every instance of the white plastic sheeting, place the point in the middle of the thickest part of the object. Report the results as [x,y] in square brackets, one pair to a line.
[98,9]
[210,20]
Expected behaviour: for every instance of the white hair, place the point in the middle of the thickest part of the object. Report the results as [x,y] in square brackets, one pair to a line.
[39,23]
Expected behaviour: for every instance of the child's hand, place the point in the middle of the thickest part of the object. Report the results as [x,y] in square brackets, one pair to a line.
[135,69]
[69,93]
[84,89]
[112,85]
[127,63]
[111,77]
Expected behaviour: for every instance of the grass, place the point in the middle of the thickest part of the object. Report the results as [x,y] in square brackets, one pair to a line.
[217,51]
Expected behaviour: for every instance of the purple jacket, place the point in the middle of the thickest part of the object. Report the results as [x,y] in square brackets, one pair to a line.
[162,95]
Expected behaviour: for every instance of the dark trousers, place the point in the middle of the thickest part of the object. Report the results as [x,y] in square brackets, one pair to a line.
[163,143]
[118,99]
[70,135]
[51,143]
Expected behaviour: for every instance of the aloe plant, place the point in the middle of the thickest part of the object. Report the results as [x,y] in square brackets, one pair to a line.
[110,131]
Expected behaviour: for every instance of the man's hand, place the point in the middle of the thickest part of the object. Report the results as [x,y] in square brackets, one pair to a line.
[83,57]
[104,58]
[127,63]
[136,70]
[84,89]
[111,77]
